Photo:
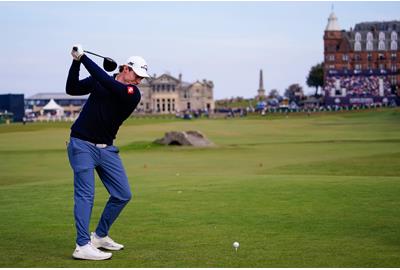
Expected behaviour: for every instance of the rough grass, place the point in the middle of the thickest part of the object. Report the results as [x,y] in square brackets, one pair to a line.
[296,191]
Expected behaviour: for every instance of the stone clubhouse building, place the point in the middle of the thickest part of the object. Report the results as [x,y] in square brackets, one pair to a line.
[166,94]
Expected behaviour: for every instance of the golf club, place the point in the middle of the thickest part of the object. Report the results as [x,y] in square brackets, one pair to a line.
[108,63]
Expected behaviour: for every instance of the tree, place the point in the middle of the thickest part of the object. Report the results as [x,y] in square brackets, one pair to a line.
[294,92]
[273,94]
[316,77]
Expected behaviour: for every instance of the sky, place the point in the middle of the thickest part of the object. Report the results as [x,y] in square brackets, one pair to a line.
[225,42]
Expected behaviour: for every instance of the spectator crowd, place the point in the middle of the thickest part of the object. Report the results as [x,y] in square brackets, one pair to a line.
[357,86]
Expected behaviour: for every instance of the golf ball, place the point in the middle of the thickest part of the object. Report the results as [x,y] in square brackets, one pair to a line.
[235,244]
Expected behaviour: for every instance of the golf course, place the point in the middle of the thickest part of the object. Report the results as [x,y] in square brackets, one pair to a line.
[294,190]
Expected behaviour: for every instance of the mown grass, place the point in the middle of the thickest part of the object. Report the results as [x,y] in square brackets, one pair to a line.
[296,191]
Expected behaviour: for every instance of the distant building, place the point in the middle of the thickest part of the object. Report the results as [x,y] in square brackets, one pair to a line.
[72,105]
[13,103]
[361,66]
[166,94]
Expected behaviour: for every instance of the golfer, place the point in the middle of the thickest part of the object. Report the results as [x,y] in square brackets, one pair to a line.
[111,101]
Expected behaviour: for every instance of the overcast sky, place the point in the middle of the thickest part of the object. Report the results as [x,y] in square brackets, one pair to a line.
[226,42]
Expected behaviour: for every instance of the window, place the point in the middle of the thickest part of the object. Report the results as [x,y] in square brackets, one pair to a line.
[345,57]
[331,57]
[369,46]
[394,68]
[393,45]
[394,56]
[188,106]
[381,36]
[62,102]
[357,46]
[358,66]
[370,36]
[381,56]
[158,105]
[382,66]
[358,37]
[357,57]
[381,45]
[393,36]
[332,48]
[369,56]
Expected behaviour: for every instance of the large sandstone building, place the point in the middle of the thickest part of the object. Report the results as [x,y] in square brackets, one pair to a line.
[361,66]
[166,94]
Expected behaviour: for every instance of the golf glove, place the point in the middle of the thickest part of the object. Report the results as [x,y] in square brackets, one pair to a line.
[77,52]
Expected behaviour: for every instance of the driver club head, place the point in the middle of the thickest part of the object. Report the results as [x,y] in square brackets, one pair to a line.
[109,64]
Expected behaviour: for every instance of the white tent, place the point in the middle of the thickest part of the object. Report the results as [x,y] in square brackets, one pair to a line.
[53,106]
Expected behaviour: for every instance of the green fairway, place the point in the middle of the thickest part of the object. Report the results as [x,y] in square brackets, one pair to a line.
[295,191]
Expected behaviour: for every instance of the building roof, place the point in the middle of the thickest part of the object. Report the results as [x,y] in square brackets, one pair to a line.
[57,96]
[165,76]
[333,24]
[388,26]
[186,84]
[375,28]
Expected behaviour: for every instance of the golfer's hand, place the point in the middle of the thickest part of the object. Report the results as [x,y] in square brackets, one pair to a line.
[77,52]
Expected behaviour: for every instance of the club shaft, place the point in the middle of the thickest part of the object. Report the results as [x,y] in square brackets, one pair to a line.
[95,54]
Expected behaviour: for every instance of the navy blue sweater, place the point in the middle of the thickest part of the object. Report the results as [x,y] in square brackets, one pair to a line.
[109,104]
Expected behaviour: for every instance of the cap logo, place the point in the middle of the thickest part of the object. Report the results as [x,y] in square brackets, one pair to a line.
[142,67]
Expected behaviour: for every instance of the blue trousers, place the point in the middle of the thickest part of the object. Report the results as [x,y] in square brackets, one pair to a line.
[84,158]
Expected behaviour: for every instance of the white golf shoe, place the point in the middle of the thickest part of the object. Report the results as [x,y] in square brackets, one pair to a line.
[104,242]
[90,252]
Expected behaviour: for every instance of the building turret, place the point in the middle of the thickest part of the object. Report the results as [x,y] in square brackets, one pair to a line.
[333,38]
[333,24]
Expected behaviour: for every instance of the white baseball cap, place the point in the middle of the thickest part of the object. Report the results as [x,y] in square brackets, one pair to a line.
[139,65]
